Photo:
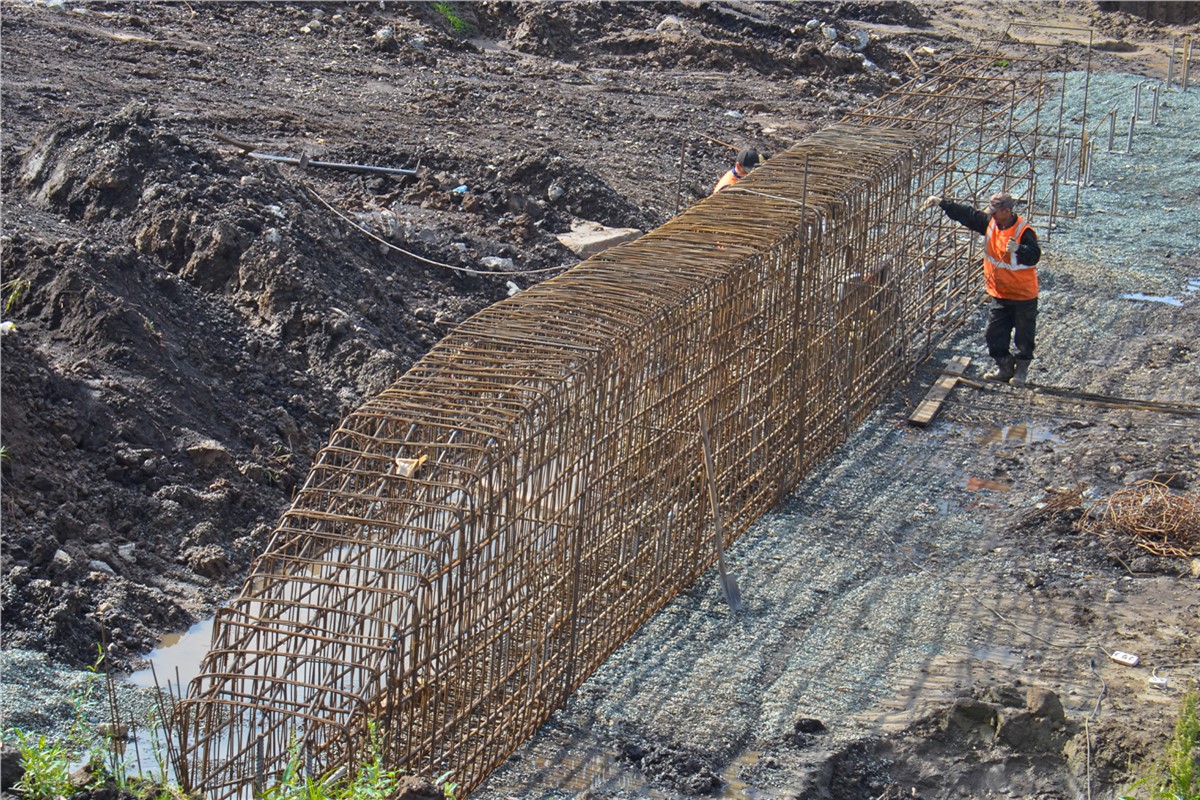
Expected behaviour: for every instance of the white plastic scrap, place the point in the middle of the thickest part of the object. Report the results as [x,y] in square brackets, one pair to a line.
[512,288]
[858,40]
[7,327]
[496,262]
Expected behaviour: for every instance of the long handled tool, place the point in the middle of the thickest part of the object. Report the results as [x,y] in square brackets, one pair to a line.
[729,586]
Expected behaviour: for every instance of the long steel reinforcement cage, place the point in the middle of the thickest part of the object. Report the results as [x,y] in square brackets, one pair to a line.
[473,542]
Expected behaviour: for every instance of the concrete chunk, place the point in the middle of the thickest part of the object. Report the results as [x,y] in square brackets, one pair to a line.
[588,238]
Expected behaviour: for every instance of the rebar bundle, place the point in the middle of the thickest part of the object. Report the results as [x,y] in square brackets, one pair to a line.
[476,540]
[1164,522]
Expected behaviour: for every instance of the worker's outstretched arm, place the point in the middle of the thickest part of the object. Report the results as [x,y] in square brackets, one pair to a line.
[965,215]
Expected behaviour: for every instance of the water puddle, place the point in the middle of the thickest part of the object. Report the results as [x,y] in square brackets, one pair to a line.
[175,662]
[1150,298]
[591,772]
[998,655]
[986,484]
[1022,433]
[176,659]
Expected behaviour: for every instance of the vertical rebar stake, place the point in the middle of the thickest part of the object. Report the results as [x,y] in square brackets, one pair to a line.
[1137,101]
[1129,143]
[1154,106]
[679,183]
[1187,65]
[259,782]
[1112,127]
[1171,63]
[1091,155]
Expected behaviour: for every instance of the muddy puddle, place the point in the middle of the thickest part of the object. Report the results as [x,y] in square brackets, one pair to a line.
[176,659]
[1152,298]
[1021,433]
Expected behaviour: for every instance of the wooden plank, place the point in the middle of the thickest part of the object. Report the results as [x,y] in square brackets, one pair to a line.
[927,410]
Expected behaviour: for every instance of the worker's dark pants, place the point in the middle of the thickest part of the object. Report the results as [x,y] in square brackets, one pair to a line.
[1011,318]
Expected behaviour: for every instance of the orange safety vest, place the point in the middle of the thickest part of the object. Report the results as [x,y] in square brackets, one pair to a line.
[1003,277]
[729,178]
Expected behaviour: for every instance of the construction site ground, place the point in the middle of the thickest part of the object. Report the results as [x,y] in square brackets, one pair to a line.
[188,325]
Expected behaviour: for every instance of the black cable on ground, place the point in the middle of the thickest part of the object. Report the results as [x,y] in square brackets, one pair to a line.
[1092,398]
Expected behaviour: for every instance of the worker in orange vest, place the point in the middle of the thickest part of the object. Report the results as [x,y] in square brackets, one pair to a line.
[746,160]
[1010,255]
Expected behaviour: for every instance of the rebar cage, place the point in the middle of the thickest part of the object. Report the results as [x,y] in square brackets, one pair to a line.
[473,542]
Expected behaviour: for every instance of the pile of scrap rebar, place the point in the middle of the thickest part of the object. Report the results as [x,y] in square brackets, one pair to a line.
[1165,522]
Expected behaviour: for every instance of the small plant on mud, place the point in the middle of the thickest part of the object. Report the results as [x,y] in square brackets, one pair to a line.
[1176,775]
[47,766]
[373,781]
[13,291]
[456,23]
[449,790]
[48,762]
[278,462]
[294,785]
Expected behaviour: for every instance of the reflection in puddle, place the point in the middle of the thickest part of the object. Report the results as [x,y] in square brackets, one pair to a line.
[1022,434]
[592,771]
[998,655]
[176,661]
[981,484]
[1150,298]
[178,654]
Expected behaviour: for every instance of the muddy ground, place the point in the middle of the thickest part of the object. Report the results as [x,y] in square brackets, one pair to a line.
[190,324]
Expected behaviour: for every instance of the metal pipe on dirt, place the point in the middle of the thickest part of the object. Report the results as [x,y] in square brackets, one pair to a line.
[1171,62]
[1137,101]
[1129,142]
[1112,127]
[1154,105]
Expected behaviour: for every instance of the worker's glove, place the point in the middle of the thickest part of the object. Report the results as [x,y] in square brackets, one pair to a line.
[1013,244]
[931,201]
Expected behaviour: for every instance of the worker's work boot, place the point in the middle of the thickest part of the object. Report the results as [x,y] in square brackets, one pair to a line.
[1005,368]
[1020,372]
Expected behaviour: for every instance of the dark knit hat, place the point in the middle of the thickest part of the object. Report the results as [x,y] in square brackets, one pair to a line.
[748,159]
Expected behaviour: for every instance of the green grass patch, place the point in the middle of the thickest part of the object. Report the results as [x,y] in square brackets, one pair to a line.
[1175,776]
[456,23]
[13,291]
